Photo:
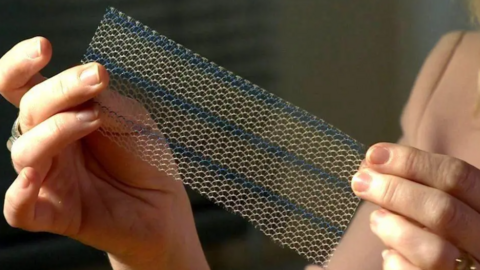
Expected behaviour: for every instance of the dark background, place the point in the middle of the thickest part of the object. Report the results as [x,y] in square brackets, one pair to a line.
[350,62]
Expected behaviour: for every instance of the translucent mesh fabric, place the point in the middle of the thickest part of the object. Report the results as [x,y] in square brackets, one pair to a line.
[243,148]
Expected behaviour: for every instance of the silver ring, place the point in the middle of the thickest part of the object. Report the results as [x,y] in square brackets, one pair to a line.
[16,133]
[465,262]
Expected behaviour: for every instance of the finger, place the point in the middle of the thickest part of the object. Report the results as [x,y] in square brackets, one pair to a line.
[19,67]
[422,248]
[392,260]
[50,137]
[20,200]
[438,211]
[148,138]
[62,92]
[449,174]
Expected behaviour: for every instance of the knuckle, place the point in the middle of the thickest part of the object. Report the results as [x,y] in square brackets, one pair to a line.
[410,161]
[26,117]
[400,236]
[12,212]
[388,194]
[57,126]
[60,88]
[458,176]
[437,256]
[447,215]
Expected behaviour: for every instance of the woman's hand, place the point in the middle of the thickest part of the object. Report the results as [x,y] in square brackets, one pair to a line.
[75,182]
[431,206]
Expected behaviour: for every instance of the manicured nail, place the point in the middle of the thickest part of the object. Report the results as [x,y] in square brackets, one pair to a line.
[34,49]
[378,155]
[88,115]
[385,254]
[361,182]
[90,76]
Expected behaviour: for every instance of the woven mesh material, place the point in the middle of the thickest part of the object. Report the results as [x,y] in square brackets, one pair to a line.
[247,150]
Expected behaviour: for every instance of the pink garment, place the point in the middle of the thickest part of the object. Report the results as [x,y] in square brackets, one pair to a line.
[438,117]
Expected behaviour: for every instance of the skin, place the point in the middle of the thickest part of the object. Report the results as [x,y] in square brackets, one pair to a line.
[429,206]
[73,181]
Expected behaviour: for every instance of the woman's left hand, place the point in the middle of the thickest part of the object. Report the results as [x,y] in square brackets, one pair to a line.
[431,206]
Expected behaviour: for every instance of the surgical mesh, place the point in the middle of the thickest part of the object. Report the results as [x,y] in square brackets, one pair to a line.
[281,168]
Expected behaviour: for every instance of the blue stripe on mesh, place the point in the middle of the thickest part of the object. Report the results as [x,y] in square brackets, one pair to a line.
[238,178]
[235,81]
[224,125]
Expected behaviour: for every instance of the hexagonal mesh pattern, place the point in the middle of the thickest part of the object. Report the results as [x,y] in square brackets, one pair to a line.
[247,150]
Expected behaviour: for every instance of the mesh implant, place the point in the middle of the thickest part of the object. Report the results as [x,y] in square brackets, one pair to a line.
[247,150]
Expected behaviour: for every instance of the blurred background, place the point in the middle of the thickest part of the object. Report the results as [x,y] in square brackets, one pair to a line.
[352,63]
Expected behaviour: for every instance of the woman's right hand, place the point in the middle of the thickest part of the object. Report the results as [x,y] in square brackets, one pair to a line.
[75,182]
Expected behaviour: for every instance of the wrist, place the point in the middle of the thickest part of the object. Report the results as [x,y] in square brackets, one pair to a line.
[186,255]
[178,247]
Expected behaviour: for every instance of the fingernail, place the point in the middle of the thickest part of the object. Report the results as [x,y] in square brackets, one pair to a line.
[34,49]
[88,115]
[378,155]
[90,76]
[378,216]
[385,254]
[361,182]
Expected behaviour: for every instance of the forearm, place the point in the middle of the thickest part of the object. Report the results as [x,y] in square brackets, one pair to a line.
[359,249]
[180,248]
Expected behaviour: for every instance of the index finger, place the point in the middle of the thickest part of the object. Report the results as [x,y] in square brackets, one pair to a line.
[19,68]
[448,174]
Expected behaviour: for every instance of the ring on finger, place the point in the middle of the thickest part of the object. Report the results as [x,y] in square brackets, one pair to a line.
[16,133]
[465,262]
